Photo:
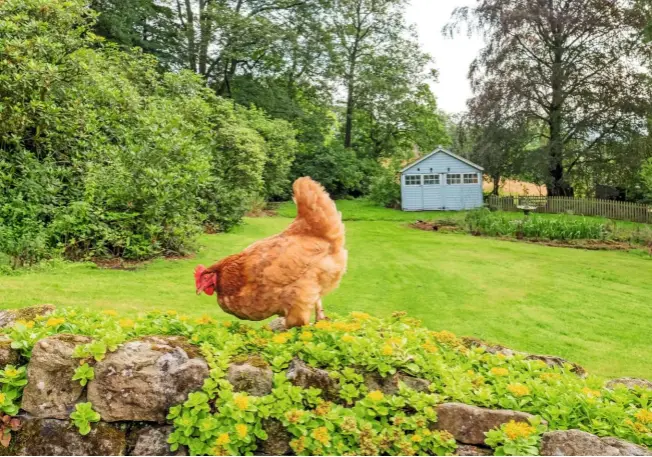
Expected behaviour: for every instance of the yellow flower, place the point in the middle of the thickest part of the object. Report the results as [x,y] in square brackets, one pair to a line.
[640,428]
[171,312]
[550,376]
[54,321]
[446,436]
[515,430]
[223,439]
[242,430]
[183,318]
[348,338]
[394,341]
[11,372]
[429,347]
[644,416]
[299,444]
[294,416]
[28,324]
[195,338]
[591,393]
[416,438]
[376,395]
[3,397]
[360,316]
[241,401]
[227,324]
[126,323]
[281,338]
[387,350]
[498,371]
[444,337]
[110,312]
[500,355]
[518,389]
[305,336]
[321,434]
[205,319]
[323,408]
[323,325]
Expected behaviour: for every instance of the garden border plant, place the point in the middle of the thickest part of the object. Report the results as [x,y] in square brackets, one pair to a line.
[217,420]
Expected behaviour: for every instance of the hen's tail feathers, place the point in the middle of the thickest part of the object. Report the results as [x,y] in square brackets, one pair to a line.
[318,211]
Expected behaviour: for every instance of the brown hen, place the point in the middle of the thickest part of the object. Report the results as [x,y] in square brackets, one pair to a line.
[286,274]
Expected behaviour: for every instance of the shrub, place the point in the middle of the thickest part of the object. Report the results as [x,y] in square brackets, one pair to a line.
[385,188]
[102,155]
[217,420]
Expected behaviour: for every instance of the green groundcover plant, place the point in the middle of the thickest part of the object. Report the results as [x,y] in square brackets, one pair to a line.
[216,420]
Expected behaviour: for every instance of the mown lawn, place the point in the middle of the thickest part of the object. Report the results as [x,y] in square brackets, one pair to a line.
[594,308]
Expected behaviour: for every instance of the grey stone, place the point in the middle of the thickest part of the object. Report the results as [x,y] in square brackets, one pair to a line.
[468,424]
[630,383]
[9,316]
[251,376]
[389,385]
[8,356]
[625,447]
[306,376]
[152,440]
[59,437]
[549,360]
[467,449]
[277,325]
[278,439]
[575,442]
[50,391]
[144,378]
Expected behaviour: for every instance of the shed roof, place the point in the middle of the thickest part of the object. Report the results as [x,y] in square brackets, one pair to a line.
[445,151]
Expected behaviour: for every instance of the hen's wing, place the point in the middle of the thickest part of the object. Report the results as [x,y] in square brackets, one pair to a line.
[285,259]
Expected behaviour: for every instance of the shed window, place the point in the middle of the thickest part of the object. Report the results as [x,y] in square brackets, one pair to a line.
[455,178]
[429,180]
[413,180]
[470,178]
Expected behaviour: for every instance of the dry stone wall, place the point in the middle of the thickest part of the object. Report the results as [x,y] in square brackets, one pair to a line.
[135,386]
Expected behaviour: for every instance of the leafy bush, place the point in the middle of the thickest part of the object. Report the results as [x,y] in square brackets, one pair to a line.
[217,420]
[102,155]
[385,188]
[485,222]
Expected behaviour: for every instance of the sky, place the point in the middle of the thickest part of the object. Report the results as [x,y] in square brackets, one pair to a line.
[452,56]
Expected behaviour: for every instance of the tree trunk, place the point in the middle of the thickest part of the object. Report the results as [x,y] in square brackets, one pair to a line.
[348,128]
[190,37]
[496,190]
[204,35]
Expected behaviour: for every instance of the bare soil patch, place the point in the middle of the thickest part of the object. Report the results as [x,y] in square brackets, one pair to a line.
[117,263]
[437,226]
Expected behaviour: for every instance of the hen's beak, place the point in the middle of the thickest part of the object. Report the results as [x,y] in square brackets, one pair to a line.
[199,291]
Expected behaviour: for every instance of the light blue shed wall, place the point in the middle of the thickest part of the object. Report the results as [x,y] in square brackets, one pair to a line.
[442,196]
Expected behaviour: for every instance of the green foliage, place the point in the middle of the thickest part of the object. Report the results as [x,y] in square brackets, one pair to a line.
[485,222]
[217,420]
[385,188]
[103,155]
[83,416]
[338,169]
[516,438]
[13,380]
[83,374]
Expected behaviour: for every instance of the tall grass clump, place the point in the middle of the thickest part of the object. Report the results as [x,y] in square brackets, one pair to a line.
[561,227]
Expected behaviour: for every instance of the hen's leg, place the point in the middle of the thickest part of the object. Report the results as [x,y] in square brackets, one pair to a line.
[319,312]
[298,316]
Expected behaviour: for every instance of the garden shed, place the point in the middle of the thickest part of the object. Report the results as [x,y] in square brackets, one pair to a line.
[441,180]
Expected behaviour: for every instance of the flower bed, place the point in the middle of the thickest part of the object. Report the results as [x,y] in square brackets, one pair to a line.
[357,385]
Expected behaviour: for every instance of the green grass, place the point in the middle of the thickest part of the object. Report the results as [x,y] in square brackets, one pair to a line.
[594,308]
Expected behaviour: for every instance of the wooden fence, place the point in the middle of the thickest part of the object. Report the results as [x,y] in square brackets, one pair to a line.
[611,209]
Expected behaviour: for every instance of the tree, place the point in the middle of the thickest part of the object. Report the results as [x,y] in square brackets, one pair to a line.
[147,24]
[573,65]
[361,29]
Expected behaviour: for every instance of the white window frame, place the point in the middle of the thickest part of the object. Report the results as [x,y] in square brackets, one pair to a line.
[408,180]
[473,176]
[435,178]
[449,179]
